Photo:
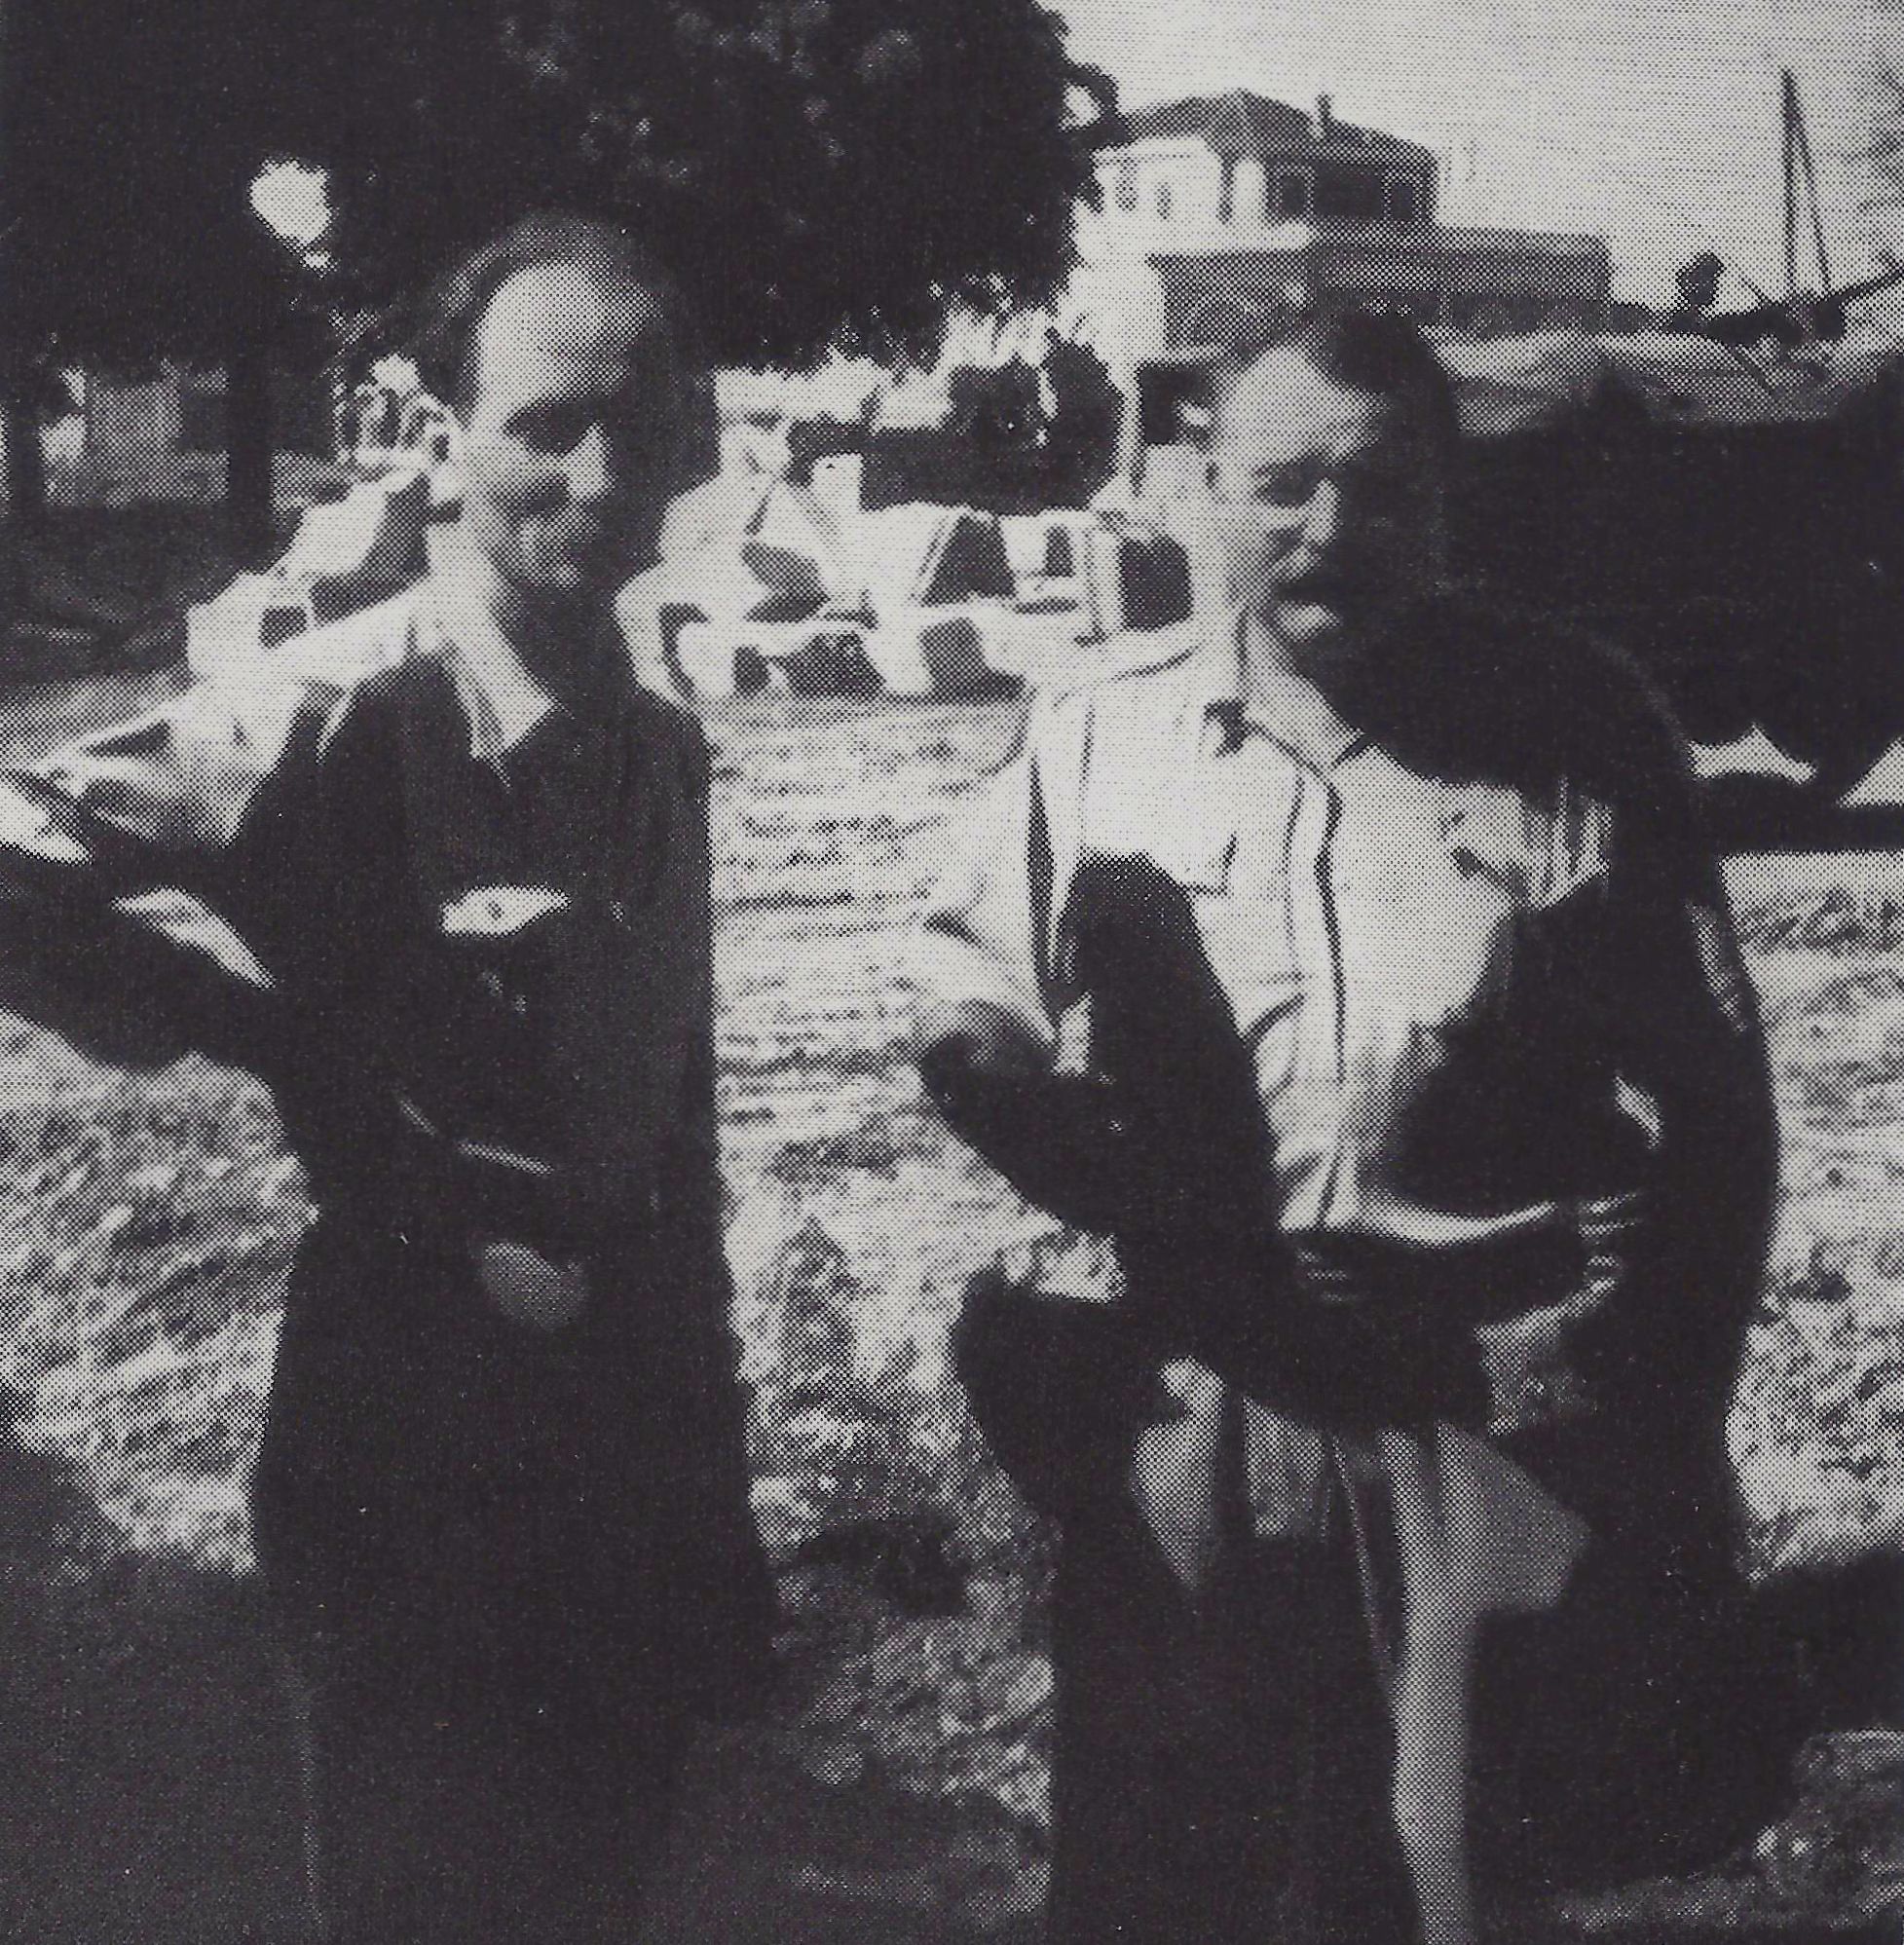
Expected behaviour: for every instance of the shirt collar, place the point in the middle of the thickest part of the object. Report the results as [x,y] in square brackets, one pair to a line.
[1290,711]
[504,702]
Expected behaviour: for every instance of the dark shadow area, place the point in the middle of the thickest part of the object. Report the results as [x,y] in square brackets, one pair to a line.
[149,1791]
[148,1783]
[767,1855]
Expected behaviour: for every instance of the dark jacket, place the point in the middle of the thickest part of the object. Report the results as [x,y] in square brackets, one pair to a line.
[486,1010]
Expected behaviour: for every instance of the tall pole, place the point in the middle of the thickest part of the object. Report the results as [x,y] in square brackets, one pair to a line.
[1790,123]
[1801,148]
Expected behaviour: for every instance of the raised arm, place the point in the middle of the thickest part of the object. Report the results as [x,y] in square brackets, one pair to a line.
[119,850]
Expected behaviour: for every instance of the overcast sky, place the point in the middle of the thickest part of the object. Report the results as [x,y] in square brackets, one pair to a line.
[1654,122]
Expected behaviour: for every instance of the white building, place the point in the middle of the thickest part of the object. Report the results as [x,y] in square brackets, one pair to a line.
[1217,213]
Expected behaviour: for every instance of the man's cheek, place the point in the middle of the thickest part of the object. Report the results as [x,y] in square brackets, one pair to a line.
[1269,554]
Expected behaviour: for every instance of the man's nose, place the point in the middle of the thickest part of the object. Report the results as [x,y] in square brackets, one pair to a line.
[1322,518]
[594,470]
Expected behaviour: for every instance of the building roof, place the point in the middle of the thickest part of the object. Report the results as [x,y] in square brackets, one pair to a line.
[1242,123]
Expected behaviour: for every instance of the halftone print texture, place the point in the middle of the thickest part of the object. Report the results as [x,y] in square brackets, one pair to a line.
[1159,1654]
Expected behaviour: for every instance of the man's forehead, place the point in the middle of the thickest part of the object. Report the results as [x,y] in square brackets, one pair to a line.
[558,317]
[1284,404]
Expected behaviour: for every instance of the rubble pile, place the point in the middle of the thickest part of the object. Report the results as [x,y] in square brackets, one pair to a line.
[781,583]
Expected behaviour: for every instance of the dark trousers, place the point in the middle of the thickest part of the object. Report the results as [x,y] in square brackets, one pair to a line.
[1223,1765]
[475,1776]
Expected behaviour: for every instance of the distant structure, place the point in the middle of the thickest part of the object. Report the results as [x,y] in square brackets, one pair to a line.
[1217,212]
[162,438]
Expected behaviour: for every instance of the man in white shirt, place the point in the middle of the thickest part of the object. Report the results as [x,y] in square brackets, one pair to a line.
[1444,1315]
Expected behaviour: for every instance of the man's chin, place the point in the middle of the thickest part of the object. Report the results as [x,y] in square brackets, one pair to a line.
[578,580]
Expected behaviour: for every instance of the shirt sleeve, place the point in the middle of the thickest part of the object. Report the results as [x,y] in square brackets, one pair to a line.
[172,797]
[193,798]
[989,931]
[1690,1045]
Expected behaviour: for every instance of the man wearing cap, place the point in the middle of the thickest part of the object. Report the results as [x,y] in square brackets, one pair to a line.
[1422,1089]
[502,1501]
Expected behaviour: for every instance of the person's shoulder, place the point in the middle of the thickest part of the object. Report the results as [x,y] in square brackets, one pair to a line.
[1531,700]
[1137,669]
[669,727]
[664,713]
[1596,711]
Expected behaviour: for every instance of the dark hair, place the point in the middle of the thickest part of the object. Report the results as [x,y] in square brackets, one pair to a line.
[443,346]
[1377,353]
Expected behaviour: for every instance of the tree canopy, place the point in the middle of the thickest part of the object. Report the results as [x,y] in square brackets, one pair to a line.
[820,173]
[136,130]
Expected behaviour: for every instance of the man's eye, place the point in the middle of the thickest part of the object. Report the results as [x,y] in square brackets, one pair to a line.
[551,431]
[1286,485]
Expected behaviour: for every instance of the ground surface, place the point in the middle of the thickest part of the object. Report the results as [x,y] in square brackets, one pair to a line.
[146,1788]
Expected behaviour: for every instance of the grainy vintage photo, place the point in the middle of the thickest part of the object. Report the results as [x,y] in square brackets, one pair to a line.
[951,972]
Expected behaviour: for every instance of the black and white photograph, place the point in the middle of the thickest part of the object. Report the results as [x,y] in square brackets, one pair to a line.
[951,972]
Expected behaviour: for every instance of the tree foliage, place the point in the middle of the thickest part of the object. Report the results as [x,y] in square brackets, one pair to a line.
[136,132]
[820,171]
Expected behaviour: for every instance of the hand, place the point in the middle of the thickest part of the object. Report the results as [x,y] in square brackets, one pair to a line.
[1612,1230]
[975,1038]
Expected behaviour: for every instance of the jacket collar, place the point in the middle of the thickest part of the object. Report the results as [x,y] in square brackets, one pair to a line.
[1293,712]
[504,700]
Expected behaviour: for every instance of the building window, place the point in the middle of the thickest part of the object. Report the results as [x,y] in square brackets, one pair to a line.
[1127,185]
[1163,199]
[1295,195]
[1404,199]
[1353,196]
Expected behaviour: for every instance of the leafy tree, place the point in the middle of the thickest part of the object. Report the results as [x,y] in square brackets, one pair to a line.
[133,133]
[820,171]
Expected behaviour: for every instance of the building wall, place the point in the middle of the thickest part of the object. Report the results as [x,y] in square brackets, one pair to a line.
[1179,183]
[1162,180]
[1488,282]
